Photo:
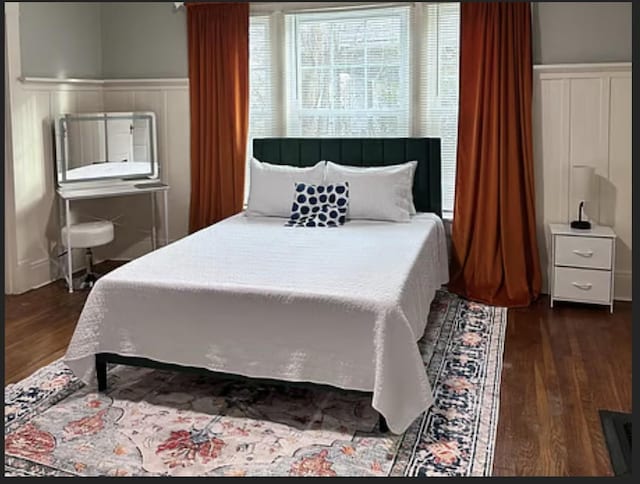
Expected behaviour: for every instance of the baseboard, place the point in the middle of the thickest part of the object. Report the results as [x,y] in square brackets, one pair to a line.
[622,286]
[39,273]
[31,275]
[35,274]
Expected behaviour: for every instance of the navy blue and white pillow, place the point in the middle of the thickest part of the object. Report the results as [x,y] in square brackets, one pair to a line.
[319,205]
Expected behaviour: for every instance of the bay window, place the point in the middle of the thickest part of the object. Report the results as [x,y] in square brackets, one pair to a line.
[372,71]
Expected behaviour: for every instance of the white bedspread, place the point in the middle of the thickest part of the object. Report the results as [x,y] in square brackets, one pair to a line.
[339,306]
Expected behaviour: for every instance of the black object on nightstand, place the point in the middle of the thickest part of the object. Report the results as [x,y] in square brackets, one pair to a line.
[581,224]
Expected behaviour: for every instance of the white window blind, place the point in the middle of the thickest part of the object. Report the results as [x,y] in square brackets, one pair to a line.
[439,85]
[348,73]
[261,97]
[378,72]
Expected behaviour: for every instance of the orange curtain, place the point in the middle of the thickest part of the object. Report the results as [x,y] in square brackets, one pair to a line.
[495,252]
[218,41]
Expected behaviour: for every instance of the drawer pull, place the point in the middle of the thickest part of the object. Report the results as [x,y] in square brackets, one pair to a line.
[584,286]
[583,253]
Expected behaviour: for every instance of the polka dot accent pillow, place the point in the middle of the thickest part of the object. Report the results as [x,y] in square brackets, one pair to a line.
[319,205]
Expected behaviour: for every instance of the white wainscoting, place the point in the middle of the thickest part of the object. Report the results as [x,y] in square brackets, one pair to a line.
[169,100]
[582,115]
[36,104]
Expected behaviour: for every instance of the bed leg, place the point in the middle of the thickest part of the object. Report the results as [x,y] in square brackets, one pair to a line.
[101,372]
[382,424]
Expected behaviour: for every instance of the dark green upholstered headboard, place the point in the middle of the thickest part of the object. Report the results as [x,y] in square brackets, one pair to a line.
[427,189]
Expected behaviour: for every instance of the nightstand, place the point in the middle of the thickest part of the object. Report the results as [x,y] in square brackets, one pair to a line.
[582,264]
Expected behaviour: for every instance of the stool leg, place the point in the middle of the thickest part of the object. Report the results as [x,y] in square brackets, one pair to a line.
[89,255]
[89,278]
[67,221]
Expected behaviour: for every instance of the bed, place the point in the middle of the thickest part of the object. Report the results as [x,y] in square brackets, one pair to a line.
[247,296]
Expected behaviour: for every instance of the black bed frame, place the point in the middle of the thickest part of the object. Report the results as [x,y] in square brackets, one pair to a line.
[306,152]
[103,359]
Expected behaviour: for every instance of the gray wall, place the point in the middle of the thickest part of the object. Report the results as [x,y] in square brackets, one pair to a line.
[60,39]
[103,39]
[142,39]
[149,39]
[577,32]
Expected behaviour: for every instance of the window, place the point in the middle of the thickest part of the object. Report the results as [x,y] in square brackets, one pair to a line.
[439,82]
[378,71]
[261,99]
[348,73]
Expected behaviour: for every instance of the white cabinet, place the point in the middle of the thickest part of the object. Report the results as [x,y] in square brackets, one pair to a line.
[582,264]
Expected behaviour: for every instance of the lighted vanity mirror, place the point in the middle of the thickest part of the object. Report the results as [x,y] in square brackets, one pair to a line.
[110,146]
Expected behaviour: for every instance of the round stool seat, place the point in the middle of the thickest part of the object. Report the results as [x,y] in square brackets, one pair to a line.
[90,234]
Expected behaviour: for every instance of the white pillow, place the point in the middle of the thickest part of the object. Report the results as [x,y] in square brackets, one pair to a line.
[271,186]
[377,193]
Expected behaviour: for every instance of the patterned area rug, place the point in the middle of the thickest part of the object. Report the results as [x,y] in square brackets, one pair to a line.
[154,422]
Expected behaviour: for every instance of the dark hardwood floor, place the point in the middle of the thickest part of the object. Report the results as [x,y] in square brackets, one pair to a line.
[560,367]
[39,325]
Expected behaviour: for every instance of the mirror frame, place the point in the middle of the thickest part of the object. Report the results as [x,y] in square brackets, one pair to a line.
[62,147]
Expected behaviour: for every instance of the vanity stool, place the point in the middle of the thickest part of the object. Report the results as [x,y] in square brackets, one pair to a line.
[86,236]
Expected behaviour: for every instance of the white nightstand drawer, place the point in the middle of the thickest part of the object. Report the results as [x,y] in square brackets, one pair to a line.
[591,252]
[582,284]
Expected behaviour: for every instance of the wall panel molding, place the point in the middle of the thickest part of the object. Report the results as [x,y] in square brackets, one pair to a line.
[582,115]
[563,71]
[56,82]
[38,102]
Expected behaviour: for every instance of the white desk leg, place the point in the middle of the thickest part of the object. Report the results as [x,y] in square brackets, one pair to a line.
[67,221]
[166,217]
[154,235]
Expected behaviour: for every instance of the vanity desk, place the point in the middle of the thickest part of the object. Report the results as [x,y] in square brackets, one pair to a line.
[67,195]
[104,155]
